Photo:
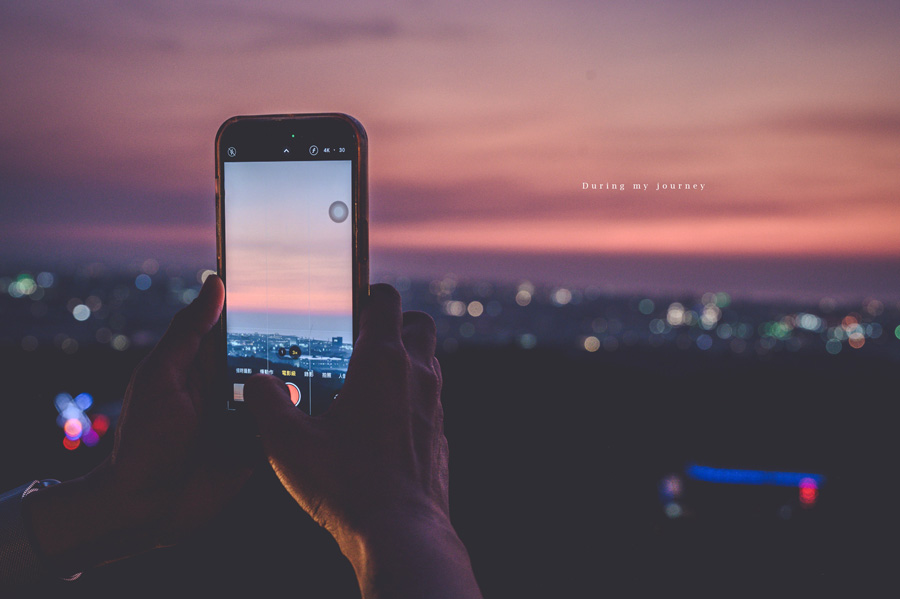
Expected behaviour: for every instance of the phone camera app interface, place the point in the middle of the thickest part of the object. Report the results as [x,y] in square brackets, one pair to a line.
[289,292]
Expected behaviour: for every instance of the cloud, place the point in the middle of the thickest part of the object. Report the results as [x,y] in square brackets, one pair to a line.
[850,123]
[196,27]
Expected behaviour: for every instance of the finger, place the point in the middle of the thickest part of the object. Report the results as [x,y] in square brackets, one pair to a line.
[419,336]
[440,377]
[441,455]
[428,421]
[209,368]
[281,425]
[180,343]
[380,319]
[441,473]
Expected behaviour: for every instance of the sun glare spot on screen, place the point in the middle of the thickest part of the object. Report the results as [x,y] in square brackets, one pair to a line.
[338,212]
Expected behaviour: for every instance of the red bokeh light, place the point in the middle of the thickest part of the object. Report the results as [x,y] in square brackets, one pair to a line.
[809,492]
[100,423]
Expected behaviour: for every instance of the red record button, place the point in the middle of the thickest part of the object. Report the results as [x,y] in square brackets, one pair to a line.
[295,393]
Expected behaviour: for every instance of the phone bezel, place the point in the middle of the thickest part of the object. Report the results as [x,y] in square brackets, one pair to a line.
[266,130]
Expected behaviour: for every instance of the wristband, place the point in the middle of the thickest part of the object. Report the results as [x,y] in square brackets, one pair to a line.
[19,561]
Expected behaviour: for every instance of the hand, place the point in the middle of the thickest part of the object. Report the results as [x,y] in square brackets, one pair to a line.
[372,470]
[167,474]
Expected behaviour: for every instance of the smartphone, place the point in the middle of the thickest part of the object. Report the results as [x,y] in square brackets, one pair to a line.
[292,245]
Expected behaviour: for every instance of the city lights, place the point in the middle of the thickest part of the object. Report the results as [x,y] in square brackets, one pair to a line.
[112,311]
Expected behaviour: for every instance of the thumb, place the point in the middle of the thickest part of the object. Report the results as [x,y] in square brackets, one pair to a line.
[181,341]
[281,425]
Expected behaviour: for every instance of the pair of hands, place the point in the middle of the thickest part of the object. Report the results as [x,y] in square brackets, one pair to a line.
[372,470]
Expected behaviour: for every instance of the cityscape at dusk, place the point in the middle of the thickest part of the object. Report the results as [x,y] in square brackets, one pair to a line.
[659,242]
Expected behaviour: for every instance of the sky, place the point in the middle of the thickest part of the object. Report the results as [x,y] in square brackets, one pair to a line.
[485,120]
[288,266]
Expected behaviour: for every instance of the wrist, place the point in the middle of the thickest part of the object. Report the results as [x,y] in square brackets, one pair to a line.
[410,553]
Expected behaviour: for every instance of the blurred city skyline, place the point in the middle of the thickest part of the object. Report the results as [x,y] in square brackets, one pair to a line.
[485,123]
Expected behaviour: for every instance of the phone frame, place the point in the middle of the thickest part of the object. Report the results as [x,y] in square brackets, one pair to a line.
[359,209]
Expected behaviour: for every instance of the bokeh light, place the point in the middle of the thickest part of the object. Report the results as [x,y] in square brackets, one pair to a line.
[527,341]
[91,438]
[561,296]
[73,428]
[143,282]
[84,401]
[150,266]
[523,298]
[455,308]
[675,314]
[81,312]
[120,342]
[673,510]
[45,279]
[79,429]
[100,423]
[809,492]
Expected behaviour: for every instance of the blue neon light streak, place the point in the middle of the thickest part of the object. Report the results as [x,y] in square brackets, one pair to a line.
[750,477]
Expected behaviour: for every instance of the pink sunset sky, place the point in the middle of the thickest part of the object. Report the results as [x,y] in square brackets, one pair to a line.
[485,119]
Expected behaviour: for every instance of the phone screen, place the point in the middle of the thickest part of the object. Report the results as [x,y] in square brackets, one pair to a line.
[288,258]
